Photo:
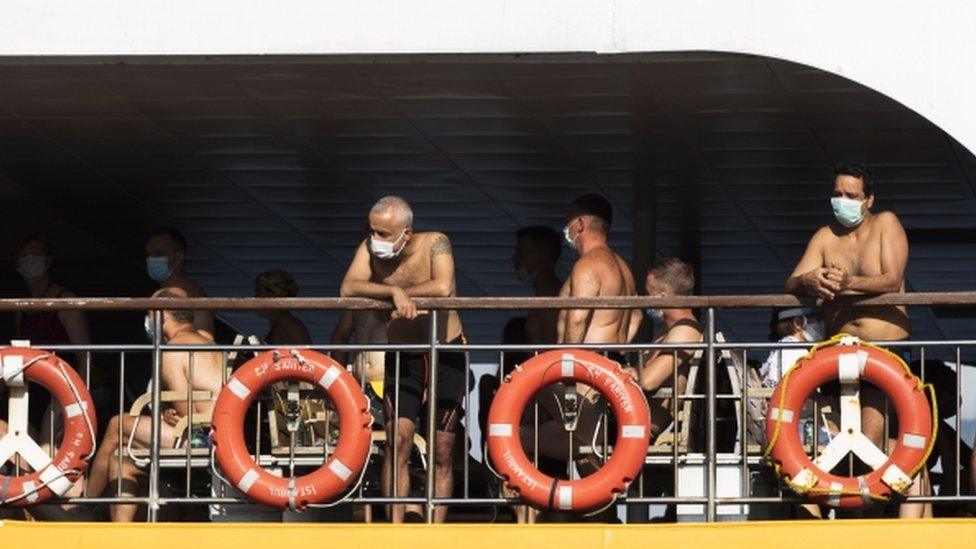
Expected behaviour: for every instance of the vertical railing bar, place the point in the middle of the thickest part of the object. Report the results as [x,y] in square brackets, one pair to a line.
[153,506]
[676,429]
[744,427]
[432,419]
[362,385]
[958,397]
[467,422]
[710,397]
[189,423]
[395,443]
[121,421]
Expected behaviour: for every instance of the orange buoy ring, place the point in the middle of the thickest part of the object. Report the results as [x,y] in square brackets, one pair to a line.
[633,431]
[335,475]
[849,360]
[51,477]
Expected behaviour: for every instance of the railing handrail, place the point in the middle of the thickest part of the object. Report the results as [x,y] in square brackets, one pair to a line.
[479,303]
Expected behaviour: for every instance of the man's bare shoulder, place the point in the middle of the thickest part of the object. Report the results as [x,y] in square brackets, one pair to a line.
[887,219]
[590,263]
[440,244]
[190,337]
[823,234]
[191,288]
[597,258]
[684,331]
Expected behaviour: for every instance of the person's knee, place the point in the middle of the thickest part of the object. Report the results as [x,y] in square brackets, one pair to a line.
[444,450]
[111,436]
[403,439]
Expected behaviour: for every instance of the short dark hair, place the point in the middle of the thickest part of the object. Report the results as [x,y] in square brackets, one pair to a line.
[546,238]
[677,274]
[182,316]
[859,171]
[36,237]
[179,241]
[593,205]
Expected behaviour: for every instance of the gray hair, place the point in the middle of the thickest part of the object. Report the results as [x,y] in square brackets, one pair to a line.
[401,210]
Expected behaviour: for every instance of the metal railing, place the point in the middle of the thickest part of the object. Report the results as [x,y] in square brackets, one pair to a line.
[680,455]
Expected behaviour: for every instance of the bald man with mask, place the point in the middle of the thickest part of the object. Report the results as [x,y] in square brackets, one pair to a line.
[397,264]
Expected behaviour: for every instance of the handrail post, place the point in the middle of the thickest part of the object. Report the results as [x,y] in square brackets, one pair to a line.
[431,419]
[157,366]
[710,427]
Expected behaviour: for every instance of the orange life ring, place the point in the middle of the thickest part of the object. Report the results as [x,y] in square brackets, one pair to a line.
[335,475]
[633,430]
[847,359]
[50,477]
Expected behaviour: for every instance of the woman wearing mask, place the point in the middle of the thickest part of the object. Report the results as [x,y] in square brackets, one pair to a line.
[42,328]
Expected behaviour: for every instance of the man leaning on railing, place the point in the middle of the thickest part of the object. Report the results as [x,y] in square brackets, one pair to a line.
[861,252]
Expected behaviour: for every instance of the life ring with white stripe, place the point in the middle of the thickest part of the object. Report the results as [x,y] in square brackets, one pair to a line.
[850,360]
[633,431]
[343,467]
[51,477]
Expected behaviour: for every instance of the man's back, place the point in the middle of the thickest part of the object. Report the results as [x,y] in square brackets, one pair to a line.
[199,370]
[612,277]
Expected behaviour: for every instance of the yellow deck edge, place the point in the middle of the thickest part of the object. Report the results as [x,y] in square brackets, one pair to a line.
[881,534]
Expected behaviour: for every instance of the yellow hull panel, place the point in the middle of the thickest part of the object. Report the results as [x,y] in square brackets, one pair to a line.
[887,534]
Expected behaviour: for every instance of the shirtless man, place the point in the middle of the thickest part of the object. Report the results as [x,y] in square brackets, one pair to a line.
[177,329]
[397,264]
[668,278]
[598,272]
[165,259]
[860,253]
[537,251]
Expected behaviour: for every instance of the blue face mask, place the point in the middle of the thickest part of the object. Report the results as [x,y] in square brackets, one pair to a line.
[158,268]
[847,211]
[656,314]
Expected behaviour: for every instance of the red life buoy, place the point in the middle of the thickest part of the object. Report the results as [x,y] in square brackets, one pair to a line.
[633,430]
[51,477]
[847,359]
[335,475]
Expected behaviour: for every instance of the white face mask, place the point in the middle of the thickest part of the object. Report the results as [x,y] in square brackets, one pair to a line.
[847,211]
[569,239]
[386,250]
[32,267]
[814,330]
[150,330]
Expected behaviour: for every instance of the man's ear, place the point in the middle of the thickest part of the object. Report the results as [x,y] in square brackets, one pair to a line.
[797,323]
[870,201]
[407,233]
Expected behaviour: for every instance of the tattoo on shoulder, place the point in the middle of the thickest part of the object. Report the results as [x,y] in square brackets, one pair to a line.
[440,246]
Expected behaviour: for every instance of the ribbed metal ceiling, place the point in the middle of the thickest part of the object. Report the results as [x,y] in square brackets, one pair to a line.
[273,162]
